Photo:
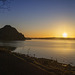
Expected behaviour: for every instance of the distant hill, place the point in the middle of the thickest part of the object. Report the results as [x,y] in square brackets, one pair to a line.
[10,33]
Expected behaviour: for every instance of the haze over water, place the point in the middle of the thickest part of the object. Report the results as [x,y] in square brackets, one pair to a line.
[60,50]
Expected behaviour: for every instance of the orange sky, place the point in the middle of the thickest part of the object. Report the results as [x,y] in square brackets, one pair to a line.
[41,18]
[56,30]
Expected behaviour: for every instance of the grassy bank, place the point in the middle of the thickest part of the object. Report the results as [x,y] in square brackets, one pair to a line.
[49,65]
[53,67]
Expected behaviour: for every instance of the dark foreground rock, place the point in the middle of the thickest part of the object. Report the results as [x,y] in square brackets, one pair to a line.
[9,33]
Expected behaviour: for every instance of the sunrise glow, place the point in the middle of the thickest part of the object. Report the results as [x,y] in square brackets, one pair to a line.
[64,35]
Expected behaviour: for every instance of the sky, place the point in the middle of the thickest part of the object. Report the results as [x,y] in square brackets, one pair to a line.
[40,18]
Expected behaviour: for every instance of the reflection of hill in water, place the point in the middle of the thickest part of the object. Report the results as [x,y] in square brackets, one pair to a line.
[7,48]
[12,43]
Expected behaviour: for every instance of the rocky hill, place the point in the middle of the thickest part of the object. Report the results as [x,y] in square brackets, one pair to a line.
[10,33]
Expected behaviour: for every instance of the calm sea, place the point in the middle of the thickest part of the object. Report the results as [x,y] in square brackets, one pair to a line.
[60,50]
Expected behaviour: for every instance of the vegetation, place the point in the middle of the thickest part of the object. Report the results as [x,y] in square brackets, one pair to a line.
[6,48]
[51,66]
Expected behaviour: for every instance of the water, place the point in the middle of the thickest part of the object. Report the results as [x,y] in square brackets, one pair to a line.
[61,50]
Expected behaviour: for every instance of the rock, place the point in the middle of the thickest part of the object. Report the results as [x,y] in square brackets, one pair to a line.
[10,33]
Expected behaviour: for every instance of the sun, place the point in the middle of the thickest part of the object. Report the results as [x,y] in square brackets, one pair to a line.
[64,35]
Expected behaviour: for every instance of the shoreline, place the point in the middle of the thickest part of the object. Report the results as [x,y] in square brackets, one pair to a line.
[49,65]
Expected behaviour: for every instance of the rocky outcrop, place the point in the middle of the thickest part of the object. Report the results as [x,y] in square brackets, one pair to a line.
[10,33]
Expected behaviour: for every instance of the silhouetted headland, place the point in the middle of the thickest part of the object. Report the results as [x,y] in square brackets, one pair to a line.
[8,33]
